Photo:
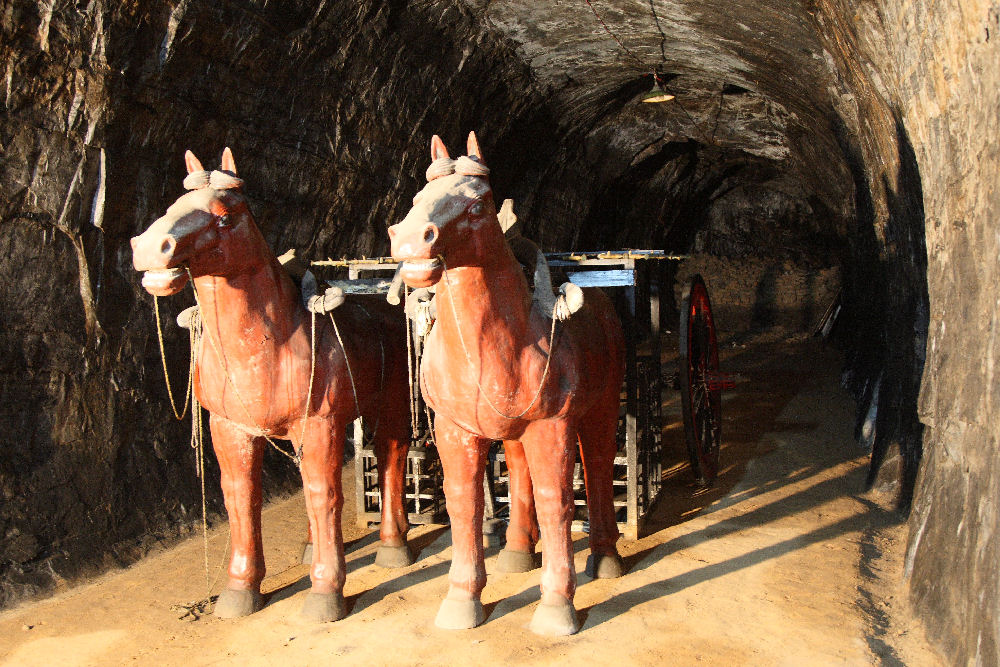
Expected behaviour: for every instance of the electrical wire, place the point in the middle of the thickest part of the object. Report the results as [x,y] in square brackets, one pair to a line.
[652,70]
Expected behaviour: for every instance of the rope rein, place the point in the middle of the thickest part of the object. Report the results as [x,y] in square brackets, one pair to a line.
[350,375]
[198,445]
[409,371]
[239,398]
[163,360]
[468,356]
[312,375]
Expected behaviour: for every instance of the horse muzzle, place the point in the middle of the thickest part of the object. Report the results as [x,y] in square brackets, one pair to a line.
[421,272]
[164,282]
[158,259]
[416,246]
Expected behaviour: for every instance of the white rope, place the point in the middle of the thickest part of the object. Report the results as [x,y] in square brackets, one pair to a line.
[465,165]
[469,166]
[443,166]
[196,180]
[220,180]
[422,318]
[409,369]
[312,374]
[163,360]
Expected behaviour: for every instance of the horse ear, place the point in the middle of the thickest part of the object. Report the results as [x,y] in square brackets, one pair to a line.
[472,148]
[438,149]
[193,164]
[228,163]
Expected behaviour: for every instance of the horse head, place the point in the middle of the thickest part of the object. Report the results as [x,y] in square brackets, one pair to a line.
[453,218]
[208,231]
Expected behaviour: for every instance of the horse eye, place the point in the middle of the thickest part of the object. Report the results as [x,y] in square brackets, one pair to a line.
[476,208]
[223,220]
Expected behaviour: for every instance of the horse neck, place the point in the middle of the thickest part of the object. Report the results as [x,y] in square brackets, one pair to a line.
[486,299]
[262,298]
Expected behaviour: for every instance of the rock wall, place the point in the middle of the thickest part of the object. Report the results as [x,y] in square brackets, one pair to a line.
[921,80]
[329,110]
[753,295]
[949,69]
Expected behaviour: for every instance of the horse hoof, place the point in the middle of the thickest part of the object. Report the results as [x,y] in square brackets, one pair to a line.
[555,620]
[307,554]
[605,566]
[387,556]
[237,602]
[459,614]
[324,607]
[510,561]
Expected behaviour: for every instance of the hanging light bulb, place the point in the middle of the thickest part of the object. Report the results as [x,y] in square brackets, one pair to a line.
[658,93]
[654,96]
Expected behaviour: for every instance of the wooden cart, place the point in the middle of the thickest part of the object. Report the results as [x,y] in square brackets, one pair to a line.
[634,278]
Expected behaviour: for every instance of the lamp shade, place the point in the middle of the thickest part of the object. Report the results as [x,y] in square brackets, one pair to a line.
[656,95]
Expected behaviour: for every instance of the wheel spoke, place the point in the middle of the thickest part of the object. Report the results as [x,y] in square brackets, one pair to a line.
[701,403]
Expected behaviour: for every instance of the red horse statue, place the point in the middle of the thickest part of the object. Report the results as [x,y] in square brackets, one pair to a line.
[498,366]
[255,373]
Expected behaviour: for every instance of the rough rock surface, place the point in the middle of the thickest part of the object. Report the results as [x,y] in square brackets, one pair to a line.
[848,140]
[329,112]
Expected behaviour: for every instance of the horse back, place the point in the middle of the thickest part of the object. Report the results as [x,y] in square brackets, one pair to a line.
[373,333]
[595,332]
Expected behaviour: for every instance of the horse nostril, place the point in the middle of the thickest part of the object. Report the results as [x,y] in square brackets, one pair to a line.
[168,245]
[430,234]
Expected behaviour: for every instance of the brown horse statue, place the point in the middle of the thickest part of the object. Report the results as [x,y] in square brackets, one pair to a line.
[254,376]
[497,366]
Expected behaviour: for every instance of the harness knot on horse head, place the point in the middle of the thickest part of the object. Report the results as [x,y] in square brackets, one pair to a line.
[498,366]
[273,369]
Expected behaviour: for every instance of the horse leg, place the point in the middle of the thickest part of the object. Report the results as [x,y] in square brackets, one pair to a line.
[463,460]
[518,554]
[598,449]
[307,550]
[390,451]
[322,460]
[240,456]
[551,453]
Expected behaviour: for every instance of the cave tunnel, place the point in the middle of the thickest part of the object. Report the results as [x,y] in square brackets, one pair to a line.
[813,152]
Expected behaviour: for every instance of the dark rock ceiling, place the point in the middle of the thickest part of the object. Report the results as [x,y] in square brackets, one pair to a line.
[812,130]
[755,94]
[329,108]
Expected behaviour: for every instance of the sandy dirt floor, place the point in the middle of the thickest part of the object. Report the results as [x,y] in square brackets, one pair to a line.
[783,562]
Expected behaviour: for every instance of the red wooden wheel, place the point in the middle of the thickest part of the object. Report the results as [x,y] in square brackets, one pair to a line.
[701,392]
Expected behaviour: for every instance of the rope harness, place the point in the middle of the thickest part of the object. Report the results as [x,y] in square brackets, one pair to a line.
[190,320]
[468,356]
[163,358]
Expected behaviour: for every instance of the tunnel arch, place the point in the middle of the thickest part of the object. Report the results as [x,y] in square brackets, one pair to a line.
[822,133]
